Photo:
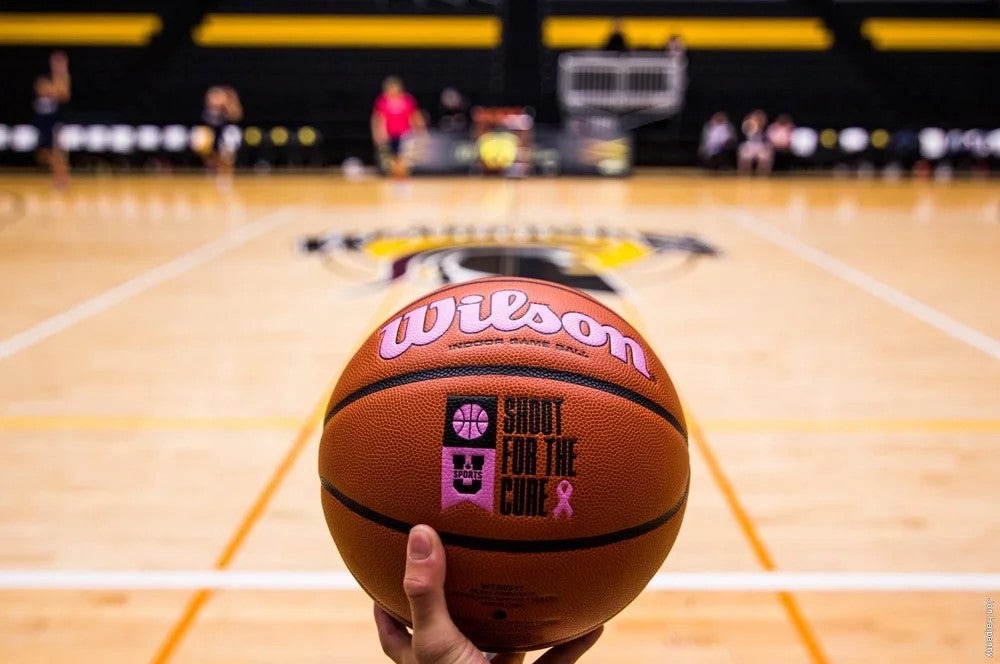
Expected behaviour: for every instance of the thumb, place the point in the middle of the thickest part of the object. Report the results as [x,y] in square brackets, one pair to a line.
[423,583]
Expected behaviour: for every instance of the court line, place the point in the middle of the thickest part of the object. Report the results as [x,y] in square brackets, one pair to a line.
[695,433]
[845,272]
[787,600]
[256,510]
[142,422]
[143,282]
[180,629]
[819,425]
[290,580]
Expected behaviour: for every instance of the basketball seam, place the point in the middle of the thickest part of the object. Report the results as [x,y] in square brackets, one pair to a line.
[512,546]
[504,370]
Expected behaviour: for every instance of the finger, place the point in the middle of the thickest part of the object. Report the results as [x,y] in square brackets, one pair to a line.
[568,653]
[423,583]
[392,635]
[508,658]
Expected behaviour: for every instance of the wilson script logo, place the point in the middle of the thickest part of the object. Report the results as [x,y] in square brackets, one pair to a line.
[411,329]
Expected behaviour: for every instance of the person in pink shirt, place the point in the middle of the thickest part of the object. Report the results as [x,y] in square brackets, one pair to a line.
[395,115]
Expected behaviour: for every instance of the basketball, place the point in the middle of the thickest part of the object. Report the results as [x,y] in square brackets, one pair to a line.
[498,149]
[535,430]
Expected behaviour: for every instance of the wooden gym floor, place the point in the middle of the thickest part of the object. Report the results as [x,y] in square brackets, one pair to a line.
[165,351]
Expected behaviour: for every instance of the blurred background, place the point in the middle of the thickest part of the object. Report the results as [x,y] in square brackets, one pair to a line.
[793,200]
[585,86]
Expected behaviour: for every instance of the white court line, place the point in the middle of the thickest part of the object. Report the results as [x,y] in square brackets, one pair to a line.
[143,282]
[279,580]
[928,314]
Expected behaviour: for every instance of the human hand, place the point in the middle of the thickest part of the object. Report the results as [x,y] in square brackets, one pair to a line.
[435,638]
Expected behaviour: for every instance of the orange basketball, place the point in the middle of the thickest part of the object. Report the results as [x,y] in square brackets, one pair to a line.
[535,430]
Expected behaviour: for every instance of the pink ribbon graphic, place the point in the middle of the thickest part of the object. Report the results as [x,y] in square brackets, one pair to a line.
[564,490]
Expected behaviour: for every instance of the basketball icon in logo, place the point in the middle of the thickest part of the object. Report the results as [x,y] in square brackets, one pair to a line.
[470,421]
[468,452]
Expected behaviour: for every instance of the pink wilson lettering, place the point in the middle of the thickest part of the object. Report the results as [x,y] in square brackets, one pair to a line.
[410,329]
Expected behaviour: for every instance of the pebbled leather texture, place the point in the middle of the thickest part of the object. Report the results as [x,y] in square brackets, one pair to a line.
[569,422]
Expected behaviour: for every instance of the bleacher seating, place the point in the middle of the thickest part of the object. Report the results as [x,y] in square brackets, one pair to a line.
[837,82]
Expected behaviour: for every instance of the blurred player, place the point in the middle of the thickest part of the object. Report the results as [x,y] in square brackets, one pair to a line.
[755,149]
[395,115]
[50,92]
[222,108]
[717,139]
[616,40]
[779,135]
[453,111]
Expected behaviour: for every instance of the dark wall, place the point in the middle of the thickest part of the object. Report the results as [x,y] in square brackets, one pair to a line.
[332,89]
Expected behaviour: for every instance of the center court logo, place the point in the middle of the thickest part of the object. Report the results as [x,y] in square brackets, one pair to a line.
[458,252]
[468,451]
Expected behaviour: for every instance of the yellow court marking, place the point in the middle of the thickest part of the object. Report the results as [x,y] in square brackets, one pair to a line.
[345,31]
[608,252]
[617,254]
[788,601]
[79,29]
[741,33]
[820,425]
[746,524]
[252,516]
[143,423]
[190,614]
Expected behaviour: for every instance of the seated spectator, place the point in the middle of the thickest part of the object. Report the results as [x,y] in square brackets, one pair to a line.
[755,149]
[717,139]
[779,135]
[616,40]
[453,115]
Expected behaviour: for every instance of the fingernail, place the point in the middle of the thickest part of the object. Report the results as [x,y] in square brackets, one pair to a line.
[419,545]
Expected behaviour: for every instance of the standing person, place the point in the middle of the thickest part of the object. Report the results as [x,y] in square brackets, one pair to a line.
[222,108]
[454,116]
[616,40]
[50,92]
[676,54]
[676,49]
[395,115]
[755,149]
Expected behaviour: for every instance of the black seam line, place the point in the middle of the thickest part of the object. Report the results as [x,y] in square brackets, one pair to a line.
[502,370]
[512,546]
